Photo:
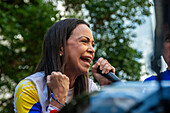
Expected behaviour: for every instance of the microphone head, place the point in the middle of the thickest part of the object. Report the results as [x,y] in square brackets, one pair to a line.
[110,76]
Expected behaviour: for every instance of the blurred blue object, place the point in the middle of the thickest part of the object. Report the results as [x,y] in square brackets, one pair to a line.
[131,97]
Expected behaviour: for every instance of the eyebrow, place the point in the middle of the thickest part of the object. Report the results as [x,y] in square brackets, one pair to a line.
[167,37]
[86,38]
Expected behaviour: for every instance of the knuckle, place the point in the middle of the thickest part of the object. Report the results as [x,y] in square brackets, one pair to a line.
[66,77]
[48,77]
[59,73]
[53,73]
[100,59]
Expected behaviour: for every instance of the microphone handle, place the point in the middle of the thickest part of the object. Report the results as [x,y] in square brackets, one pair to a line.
[110,76]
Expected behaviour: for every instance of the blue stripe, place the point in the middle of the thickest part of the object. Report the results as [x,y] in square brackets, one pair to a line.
[164,76]
[36,108]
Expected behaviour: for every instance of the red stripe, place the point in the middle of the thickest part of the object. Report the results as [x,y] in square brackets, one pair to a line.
[53,111]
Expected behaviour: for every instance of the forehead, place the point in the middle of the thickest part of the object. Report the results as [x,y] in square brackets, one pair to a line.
[82,30]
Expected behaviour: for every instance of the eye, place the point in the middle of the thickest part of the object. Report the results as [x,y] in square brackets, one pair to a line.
[84,41]
[167,39]
[93,44]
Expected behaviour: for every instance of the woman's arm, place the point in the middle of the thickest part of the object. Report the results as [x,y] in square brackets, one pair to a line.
[26,98]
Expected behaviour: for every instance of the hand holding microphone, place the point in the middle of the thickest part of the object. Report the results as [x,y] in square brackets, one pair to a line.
[104,72]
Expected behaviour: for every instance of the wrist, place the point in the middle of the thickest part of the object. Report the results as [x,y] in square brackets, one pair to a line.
[59,103]
[60,96]
[52,109]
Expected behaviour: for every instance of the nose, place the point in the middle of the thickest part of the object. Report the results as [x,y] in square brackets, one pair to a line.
[91,49]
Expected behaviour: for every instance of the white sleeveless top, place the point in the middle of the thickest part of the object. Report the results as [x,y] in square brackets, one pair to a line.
[40,83]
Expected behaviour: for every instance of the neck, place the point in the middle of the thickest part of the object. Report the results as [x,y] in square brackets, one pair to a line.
[72,75]
[72,81]
[72,78]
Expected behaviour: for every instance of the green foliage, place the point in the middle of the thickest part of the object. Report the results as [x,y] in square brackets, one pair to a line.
[22,29]
[23,24]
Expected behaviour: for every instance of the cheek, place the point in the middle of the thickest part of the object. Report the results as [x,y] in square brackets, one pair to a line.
[80,49]
[166,48]
[166,52]
[75,52]
[73,55]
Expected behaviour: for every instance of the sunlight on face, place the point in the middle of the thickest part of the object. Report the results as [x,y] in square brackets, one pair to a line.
[80,50]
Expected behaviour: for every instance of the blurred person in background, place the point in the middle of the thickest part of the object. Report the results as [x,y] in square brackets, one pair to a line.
[166,54]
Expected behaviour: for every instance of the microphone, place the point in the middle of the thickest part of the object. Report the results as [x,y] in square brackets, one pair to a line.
[110,76]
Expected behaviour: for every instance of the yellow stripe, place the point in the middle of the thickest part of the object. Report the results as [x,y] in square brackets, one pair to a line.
[26,96]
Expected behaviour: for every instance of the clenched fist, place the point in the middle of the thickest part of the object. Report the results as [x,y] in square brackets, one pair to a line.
[59,85]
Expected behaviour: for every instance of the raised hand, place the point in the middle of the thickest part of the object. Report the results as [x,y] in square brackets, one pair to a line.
[59,85]
[105,67]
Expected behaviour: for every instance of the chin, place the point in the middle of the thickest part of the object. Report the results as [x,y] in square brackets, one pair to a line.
[85,71]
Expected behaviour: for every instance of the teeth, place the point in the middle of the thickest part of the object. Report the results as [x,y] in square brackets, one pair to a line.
[89,59]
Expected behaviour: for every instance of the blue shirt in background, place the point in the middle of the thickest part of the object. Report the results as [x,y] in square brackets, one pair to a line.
[164,76]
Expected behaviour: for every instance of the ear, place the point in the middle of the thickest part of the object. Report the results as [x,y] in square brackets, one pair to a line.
[61,51]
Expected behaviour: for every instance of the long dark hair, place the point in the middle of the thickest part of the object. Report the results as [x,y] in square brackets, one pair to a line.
[56,38]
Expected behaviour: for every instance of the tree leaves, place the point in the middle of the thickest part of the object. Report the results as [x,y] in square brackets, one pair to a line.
[23,26]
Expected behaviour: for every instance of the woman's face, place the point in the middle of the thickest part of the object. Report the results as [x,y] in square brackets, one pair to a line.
[80,50]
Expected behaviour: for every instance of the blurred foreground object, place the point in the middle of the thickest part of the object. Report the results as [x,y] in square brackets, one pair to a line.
[132,97]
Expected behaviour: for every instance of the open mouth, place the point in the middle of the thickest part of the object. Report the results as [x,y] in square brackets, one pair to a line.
[86,59]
